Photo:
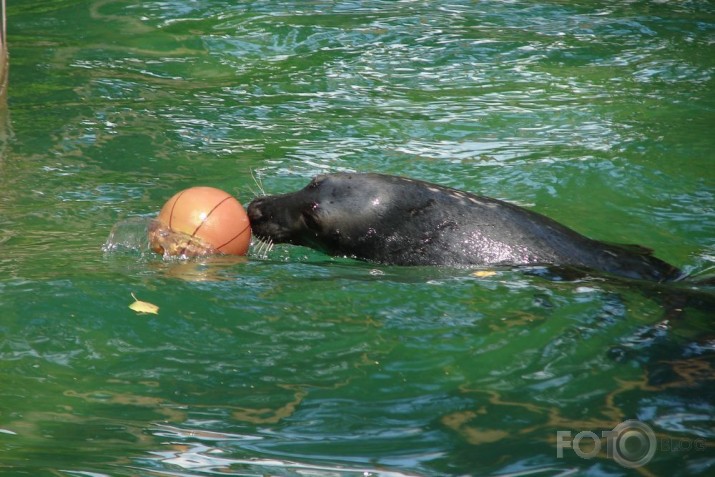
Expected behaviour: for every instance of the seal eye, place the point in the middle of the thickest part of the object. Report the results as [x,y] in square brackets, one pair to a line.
[310,215]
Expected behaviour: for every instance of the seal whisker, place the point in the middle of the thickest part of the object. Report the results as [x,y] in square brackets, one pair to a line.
[257,179]
[267,247]
[263,247]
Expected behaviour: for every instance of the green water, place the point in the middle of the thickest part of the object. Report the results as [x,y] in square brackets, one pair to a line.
[598,114]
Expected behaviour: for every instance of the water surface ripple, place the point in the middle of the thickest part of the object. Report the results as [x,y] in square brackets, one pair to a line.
[292,363]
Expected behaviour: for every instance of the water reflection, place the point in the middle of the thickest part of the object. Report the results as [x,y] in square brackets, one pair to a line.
[293,363]
[202,452]
[5,131]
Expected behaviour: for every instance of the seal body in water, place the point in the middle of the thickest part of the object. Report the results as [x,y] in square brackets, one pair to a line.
[401,221]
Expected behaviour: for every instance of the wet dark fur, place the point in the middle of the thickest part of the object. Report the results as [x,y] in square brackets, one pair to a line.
[401,221]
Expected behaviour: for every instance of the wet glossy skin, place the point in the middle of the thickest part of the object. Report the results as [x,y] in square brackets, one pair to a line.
[401,221]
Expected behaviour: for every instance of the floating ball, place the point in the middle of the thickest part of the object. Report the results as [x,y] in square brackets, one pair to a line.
[201,220]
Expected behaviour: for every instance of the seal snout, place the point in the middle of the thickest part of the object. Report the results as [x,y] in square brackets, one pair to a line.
[258,218]
[267,216]
[254,210]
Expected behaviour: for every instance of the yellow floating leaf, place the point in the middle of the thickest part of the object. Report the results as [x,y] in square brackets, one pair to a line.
[484,273]
[143,306]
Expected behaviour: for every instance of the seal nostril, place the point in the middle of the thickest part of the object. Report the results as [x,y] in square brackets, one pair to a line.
[254,212]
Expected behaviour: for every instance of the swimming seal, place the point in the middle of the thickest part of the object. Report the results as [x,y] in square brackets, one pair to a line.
[401,221]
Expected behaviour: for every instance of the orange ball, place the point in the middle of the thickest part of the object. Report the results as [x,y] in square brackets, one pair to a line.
[212,216]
